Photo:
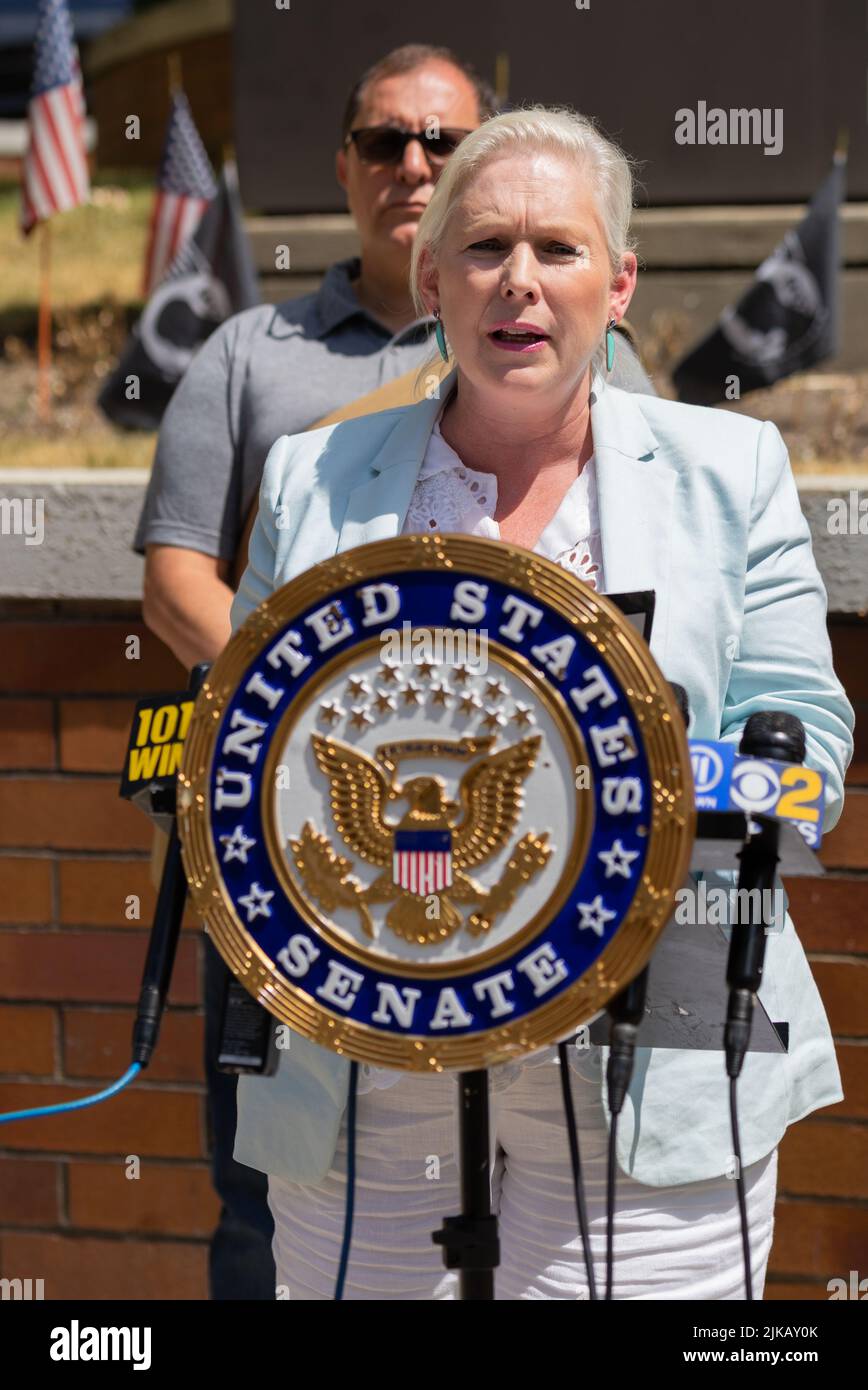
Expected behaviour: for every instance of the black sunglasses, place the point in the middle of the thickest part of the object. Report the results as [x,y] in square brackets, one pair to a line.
[385,144]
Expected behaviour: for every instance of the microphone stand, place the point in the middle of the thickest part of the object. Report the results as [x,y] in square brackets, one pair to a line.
[470,1243]
[767,734]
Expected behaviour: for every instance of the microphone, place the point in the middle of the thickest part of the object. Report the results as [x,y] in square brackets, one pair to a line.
[768,734]
[166,929]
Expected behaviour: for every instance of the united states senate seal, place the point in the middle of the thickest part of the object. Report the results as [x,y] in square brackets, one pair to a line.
[435,803]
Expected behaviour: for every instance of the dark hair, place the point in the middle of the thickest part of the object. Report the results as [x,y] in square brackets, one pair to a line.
[405,59]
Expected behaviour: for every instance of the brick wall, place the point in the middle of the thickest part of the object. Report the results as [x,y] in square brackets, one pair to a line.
[71,854]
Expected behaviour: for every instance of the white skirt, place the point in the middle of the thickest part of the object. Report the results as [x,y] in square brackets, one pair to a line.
[670,1242]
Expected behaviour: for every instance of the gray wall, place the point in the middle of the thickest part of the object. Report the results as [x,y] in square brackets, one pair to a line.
[632,63]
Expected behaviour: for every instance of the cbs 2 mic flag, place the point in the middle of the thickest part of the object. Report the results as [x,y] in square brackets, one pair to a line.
[212,277]
[787,320]
[185,187]
[54,176]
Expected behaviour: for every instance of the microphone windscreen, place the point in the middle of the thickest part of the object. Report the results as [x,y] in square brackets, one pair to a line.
[774,734]
[681,700]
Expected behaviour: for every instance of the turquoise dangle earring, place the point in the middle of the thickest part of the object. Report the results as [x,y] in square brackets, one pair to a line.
[440,336]
[610,344]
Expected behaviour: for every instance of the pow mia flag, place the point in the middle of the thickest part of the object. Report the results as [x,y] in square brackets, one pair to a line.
[787,320]
[211,277]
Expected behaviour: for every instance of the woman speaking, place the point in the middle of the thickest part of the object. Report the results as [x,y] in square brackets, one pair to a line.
[523,257]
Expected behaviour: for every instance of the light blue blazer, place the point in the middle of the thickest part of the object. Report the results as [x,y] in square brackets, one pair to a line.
[701,506]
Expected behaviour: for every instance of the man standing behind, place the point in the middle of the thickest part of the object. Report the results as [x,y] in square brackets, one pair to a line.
[277,370]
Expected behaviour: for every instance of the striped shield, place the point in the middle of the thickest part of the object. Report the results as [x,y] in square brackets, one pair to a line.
[422,860]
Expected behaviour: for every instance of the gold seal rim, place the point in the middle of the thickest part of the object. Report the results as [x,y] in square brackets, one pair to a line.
[672,814]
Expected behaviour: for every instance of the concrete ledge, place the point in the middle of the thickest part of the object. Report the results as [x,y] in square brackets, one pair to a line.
[669,238]
[89,518]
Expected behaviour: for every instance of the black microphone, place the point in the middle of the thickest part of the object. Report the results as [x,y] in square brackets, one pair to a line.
[768,734]
[165,931]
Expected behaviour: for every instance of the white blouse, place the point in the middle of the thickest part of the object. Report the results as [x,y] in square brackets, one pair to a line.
[450,497]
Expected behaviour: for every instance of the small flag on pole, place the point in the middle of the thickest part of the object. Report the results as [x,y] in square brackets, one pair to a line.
[185,187]
[212,276]
[55,175]
[787,320]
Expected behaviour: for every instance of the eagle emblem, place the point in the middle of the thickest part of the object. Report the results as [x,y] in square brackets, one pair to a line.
[425,858]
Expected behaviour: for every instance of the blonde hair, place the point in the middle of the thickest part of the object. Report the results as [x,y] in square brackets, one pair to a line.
[556,130]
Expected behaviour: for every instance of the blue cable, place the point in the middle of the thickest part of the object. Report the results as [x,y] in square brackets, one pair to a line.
[81,1104]
[351,1183]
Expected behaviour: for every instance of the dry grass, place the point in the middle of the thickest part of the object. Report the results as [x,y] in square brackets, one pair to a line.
[97,254]
[96,251]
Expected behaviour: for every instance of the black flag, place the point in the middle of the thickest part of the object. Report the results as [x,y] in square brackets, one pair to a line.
[211,277]
[787,320]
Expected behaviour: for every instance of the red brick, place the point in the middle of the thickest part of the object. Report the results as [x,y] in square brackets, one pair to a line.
[156,1122]
[77,1267]
[846,847]
[27,1040]
[842,986]
[29,1192]
[25,890]
[171,1199]
[69,813]
[97,1044]
[26,734]
[830,914]
[94,734]
[93,892]
[85,658]
[819,1158]
[850,657]
[94,967]
[820,1239]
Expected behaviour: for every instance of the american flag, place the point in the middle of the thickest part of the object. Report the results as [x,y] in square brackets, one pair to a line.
[185,187]
[422,860]
[55,175]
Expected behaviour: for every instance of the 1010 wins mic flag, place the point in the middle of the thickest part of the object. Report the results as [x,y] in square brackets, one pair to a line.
[787,320]
[212,276]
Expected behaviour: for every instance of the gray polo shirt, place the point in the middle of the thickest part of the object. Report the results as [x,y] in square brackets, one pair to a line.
[268,371]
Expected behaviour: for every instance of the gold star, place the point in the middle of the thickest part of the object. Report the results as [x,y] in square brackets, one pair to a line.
[384,701]
[424,667]
[493,720]
[461,674]
[360,718]
[521,715]
[440,694]
[469,702]
[496,691]
[330,712]
[358,687]
[389,673]
[412,694]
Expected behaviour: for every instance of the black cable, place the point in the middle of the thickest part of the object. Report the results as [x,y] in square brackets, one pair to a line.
[611,1172]
[740,1189]
[349,1209]
[576,1163]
